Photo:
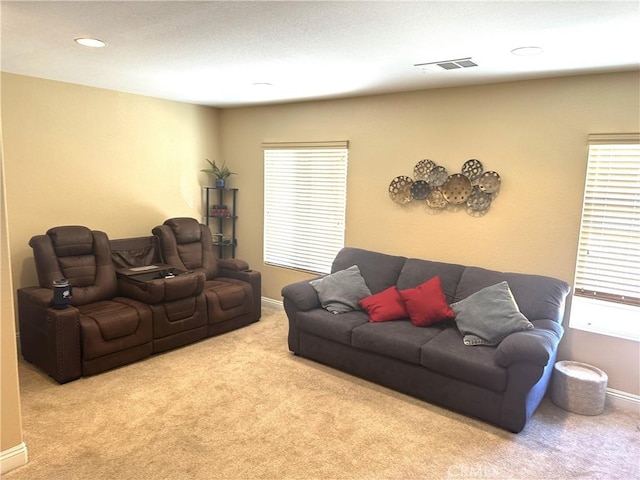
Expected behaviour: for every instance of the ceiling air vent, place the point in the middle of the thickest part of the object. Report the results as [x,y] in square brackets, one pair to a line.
[449,64]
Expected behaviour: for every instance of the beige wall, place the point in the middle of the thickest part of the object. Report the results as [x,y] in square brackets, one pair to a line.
[112,161]
[532,133]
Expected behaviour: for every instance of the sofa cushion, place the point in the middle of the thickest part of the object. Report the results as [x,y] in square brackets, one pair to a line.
[416,271]
[341,291]
[324,324]
[379,270]
[426,303]
[488,316]
[384,306]
[448,355]
[400,340]
[114,320]
[528,290]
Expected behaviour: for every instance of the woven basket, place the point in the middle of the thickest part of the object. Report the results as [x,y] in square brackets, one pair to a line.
[579,388]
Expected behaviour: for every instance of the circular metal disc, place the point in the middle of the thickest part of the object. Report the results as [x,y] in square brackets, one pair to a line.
[436,200]
[472,169]
[437,176]
[400,189]
[478,201]
[423,168]
[489,182]
[457,189]
[419,190]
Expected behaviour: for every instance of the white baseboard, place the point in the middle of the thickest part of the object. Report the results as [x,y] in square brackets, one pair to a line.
[12,458]
[623,400]
[271,301]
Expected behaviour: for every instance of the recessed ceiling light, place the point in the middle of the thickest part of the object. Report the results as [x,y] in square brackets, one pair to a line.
[527,51]
[90,42]
[262,84]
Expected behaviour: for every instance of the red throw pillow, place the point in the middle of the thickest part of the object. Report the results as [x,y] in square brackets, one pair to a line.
[384,306]
[426,303]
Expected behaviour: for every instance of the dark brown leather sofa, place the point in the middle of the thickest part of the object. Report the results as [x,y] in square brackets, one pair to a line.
[117,315]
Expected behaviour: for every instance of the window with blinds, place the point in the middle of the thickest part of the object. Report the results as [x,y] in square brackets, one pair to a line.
[608,263]
[305,191]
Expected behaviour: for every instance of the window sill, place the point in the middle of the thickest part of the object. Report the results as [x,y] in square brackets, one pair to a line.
[605,318]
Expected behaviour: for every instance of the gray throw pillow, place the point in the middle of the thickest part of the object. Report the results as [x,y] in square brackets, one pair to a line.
[489,315]
[341,291]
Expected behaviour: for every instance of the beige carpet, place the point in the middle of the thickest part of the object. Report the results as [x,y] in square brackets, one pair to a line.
[241,406]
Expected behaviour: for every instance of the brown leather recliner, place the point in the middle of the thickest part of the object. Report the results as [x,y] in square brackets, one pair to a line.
[98,330]
[232,290]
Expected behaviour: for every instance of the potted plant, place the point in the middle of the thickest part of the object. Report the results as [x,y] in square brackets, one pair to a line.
[221,173]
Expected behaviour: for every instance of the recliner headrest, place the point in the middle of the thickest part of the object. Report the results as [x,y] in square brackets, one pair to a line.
[186,230]
[71,240]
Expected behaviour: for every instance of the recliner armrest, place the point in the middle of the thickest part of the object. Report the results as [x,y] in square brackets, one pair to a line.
[49,338]
[239,270]
[535,346]
[232,264]
[38,296]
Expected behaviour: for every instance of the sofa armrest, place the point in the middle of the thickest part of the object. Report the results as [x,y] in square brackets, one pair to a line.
[49,338]
[535,346]
[301,295]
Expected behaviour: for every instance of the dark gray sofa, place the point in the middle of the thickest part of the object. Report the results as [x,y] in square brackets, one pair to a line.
[502,385]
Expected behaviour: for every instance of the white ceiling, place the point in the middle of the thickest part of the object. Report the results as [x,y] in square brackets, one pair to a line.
[212,52]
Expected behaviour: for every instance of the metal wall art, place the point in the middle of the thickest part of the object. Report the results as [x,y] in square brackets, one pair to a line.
[473,189]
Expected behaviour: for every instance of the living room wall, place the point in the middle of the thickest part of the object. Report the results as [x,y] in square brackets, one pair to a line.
[533,133]
[112,161]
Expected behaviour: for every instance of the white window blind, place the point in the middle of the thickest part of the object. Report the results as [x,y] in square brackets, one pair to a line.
[305,190]
[608,264]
